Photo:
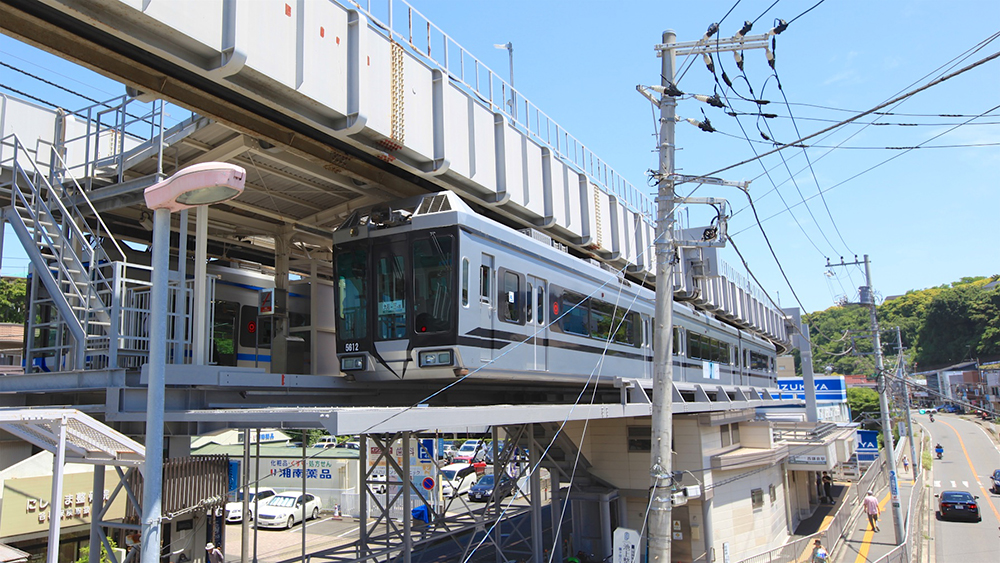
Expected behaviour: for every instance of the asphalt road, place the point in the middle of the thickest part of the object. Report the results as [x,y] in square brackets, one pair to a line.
[970,457]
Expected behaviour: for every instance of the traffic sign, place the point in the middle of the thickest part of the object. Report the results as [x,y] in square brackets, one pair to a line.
[428,483]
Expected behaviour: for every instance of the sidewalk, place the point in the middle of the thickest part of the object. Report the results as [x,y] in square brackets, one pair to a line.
[864,545]
[820,519]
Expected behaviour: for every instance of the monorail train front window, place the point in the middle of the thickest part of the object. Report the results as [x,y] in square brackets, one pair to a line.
[390,287]
[352,294]
[433,284]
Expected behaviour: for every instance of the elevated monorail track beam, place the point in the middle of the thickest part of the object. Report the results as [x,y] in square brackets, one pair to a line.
[70,37]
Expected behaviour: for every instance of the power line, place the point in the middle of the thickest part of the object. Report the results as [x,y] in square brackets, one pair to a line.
[897,99]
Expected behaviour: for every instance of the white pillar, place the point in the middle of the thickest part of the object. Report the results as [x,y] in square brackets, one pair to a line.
[55,502]
[201,304]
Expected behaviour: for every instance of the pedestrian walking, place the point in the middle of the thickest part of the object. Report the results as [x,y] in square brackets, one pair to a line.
[871,509]
[906,464]
[819,554]
[214,553]
[828,487]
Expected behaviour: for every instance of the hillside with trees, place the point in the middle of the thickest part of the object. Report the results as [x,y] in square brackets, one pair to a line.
[940,326]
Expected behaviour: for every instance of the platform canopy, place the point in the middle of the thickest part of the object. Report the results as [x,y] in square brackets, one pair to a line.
[87,440]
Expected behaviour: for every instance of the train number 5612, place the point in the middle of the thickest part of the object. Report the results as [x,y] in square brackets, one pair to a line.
[351,347]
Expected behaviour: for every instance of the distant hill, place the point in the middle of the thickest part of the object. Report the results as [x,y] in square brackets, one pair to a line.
[940,326]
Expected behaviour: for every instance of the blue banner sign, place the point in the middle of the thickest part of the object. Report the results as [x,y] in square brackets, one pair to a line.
[829,389]
[867,441]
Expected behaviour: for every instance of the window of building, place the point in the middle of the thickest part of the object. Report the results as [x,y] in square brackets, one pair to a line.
[640,438]
[736,432]
[773,492]
[727,439]
[757,498]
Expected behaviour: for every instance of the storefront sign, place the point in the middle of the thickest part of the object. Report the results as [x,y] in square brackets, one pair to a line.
[27,507]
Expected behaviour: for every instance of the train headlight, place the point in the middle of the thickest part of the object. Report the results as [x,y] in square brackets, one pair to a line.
[434,358]
[352,364]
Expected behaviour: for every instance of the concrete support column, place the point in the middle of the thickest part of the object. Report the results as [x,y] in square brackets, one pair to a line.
[607,536]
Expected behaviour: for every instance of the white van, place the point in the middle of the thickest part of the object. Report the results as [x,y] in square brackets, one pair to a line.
[457,479]
[326,442]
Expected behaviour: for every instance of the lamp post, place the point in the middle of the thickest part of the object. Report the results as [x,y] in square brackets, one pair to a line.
[200,184]
[510,53]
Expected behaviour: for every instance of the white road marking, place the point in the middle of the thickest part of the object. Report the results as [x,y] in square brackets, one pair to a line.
[937,484]
[953,485]
[965,484]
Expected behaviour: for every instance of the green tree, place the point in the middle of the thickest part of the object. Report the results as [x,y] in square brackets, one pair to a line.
[862,400]
[85,553]
[13,306]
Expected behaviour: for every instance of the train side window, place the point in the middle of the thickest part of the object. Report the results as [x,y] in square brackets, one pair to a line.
[575,314]
[511,299]
[486,280]
[254,331]
[226,317]
[541,304]
[678,349]
[465,282]
[530,309]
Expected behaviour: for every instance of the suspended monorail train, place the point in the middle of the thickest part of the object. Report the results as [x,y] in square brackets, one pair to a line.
[433,291]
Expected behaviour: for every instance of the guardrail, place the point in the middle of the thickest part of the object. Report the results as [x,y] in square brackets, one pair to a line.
[800,550]
[909,550]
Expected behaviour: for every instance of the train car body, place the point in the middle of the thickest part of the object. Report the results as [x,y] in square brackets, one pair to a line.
[435,291]
[240,336]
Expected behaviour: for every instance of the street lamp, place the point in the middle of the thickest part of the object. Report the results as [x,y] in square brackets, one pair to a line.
[510,53]
[200,184]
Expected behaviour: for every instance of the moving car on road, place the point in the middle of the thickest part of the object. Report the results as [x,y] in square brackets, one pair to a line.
[996,482]
[958,505]
[284,510]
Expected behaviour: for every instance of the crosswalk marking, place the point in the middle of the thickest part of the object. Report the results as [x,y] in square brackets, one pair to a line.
[965,484]
[937,484]
[953,485]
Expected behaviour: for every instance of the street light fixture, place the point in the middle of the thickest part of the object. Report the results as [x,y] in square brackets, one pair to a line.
[200,184]
[510,53]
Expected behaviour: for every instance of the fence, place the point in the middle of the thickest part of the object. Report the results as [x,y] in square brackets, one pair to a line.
[909,550]
[801,549]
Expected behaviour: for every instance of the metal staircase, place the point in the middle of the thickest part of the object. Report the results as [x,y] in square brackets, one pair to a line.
[72,312]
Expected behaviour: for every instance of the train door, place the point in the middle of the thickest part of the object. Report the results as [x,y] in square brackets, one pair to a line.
[486,306]
[538,328]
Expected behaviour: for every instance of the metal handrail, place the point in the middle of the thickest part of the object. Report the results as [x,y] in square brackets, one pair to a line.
[422,37]
[82,195]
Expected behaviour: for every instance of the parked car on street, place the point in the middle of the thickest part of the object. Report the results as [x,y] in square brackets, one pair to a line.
[234,509]
[487,487]
[958,505]
[470,452]
[284,510]
[457,479]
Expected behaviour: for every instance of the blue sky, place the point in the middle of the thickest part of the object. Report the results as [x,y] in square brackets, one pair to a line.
[926,217]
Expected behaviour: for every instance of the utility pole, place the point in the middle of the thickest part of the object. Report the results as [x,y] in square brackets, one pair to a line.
[660,507]
[868,298]
[661,451]
[901,374]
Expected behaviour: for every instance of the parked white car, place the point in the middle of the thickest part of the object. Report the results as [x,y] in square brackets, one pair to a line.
[234,509]
[284,510]
[457,479]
